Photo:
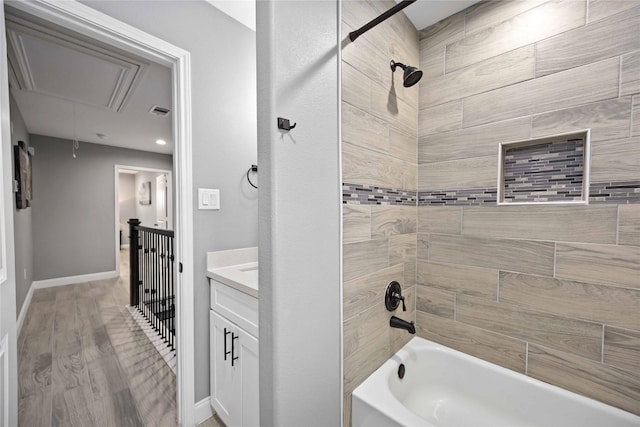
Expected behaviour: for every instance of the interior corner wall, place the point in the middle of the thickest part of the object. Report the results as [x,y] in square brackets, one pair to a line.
[23,220]
[548,290]
[74,204]
[223,105]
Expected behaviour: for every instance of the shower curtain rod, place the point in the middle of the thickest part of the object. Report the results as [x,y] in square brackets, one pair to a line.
[389,13]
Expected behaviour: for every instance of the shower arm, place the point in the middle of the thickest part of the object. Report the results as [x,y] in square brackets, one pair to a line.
[383,17]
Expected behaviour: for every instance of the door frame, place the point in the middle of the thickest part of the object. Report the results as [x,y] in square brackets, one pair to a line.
[117,169]
[96,25]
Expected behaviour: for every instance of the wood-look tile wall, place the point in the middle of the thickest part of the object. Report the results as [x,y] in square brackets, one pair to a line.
[549,291]
[379,135]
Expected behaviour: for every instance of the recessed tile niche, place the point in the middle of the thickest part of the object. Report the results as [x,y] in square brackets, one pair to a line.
[549,170]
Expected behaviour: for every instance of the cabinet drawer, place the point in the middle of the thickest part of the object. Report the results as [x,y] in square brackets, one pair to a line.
[238,307]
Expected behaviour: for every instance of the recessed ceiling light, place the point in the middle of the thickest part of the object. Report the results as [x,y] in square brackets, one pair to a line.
[161,142]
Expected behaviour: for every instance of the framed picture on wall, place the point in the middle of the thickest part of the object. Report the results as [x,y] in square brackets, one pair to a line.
[144,194]
[22,168]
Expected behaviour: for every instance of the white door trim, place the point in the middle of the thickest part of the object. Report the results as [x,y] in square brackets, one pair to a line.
[117,169]
[92,23]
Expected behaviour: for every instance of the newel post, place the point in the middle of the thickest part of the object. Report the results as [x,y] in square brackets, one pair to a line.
[134,270]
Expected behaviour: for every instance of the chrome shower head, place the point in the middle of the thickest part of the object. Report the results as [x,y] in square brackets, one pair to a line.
[411,75]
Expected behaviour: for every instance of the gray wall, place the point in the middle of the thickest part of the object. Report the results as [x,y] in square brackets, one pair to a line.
[74,205]
[300,214]
[22,220]
[126,198]
[224,132]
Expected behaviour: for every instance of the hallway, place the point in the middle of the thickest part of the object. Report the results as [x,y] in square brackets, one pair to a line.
[84,361]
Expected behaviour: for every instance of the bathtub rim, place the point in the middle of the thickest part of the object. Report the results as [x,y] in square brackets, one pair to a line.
[386,403]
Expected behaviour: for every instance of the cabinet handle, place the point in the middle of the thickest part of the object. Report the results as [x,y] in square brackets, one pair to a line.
[225,344]
[234,337]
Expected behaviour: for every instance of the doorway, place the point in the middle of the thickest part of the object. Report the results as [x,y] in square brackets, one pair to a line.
[157,211]
[91,24]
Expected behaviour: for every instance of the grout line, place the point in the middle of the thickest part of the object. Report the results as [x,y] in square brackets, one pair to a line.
[631,118]
[455,307]
[555,255]
[618,225]
[444,59]
[620,78]
[586,13]
[602,346]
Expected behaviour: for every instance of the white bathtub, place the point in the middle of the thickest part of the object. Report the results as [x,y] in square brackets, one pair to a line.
[444,387]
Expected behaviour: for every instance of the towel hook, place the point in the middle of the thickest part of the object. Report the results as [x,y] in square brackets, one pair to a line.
[285,124]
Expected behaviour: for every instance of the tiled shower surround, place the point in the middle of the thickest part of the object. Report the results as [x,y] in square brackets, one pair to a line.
[550,291]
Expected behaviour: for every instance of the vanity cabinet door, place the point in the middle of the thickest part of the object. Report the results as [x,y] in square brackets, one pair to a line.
[234,381]
[225,379]
[248,358]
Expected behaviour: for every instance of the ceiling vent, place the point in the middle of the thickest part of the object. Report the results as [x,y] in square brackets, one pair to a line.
[159,111]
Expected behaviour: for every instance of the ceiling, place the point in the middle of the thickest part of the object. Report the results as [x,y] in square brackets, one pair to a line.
[71,87]
[424,13]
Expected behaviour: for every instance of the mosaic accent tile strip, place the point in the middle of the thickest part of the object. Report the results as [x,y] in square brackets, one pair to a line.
[547,172]
[462,197]
[622,193]
[619,193]
[359,194]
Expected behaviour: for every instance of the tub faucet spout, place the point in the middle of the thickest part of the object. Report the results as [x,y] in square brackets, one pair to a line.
[396,322]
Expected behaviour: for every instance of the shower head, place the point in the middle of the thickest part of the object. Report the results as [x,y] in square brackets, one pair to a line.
[411,74]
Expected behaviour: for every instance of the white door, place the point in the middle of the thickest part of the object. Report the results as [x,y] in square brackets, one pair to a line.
[8,354]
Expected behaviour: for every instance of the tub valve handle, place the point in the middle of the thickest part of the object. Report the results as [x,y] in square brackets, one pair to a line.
[400,298]
[393,296]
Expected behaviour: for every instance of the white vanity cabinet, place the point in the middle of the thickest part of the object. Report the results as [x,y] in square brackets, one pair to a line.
[233,276]
[233,326]
[234,373]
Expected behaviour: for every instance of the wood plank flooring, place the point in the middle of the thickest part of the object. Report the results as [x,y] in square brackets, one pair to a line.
[83,361]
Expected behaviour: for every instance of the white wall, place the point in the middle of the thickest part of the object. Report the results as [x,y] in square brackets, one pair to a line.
[146,213]
[300,214]
[223,73]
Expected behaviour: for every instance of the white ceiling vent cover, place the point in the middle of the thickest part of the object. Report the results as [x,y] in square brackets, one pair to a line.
[49,62]
[159,111]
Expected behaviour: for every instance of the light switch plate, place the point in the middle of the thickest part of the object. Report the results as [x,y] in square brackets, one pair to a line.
[208,199]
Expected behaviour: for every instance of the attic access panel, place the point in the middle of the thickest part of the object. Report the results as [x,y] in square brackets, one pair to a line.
[549,170]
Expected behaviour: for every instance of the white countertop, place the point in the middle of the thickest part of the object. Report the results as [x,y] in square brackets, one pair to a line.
[237,268]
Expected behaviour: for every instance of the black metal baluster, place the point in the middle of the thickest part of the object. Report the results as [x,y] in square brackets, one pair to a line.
[156,300]
[147,291]
[134,290]
[173,294]
[154,266]
[165,261]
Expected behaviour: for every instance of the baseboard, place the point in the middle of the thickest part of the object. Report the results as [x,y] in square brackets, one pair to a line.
[24,309]
[61,281]
[203,411]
